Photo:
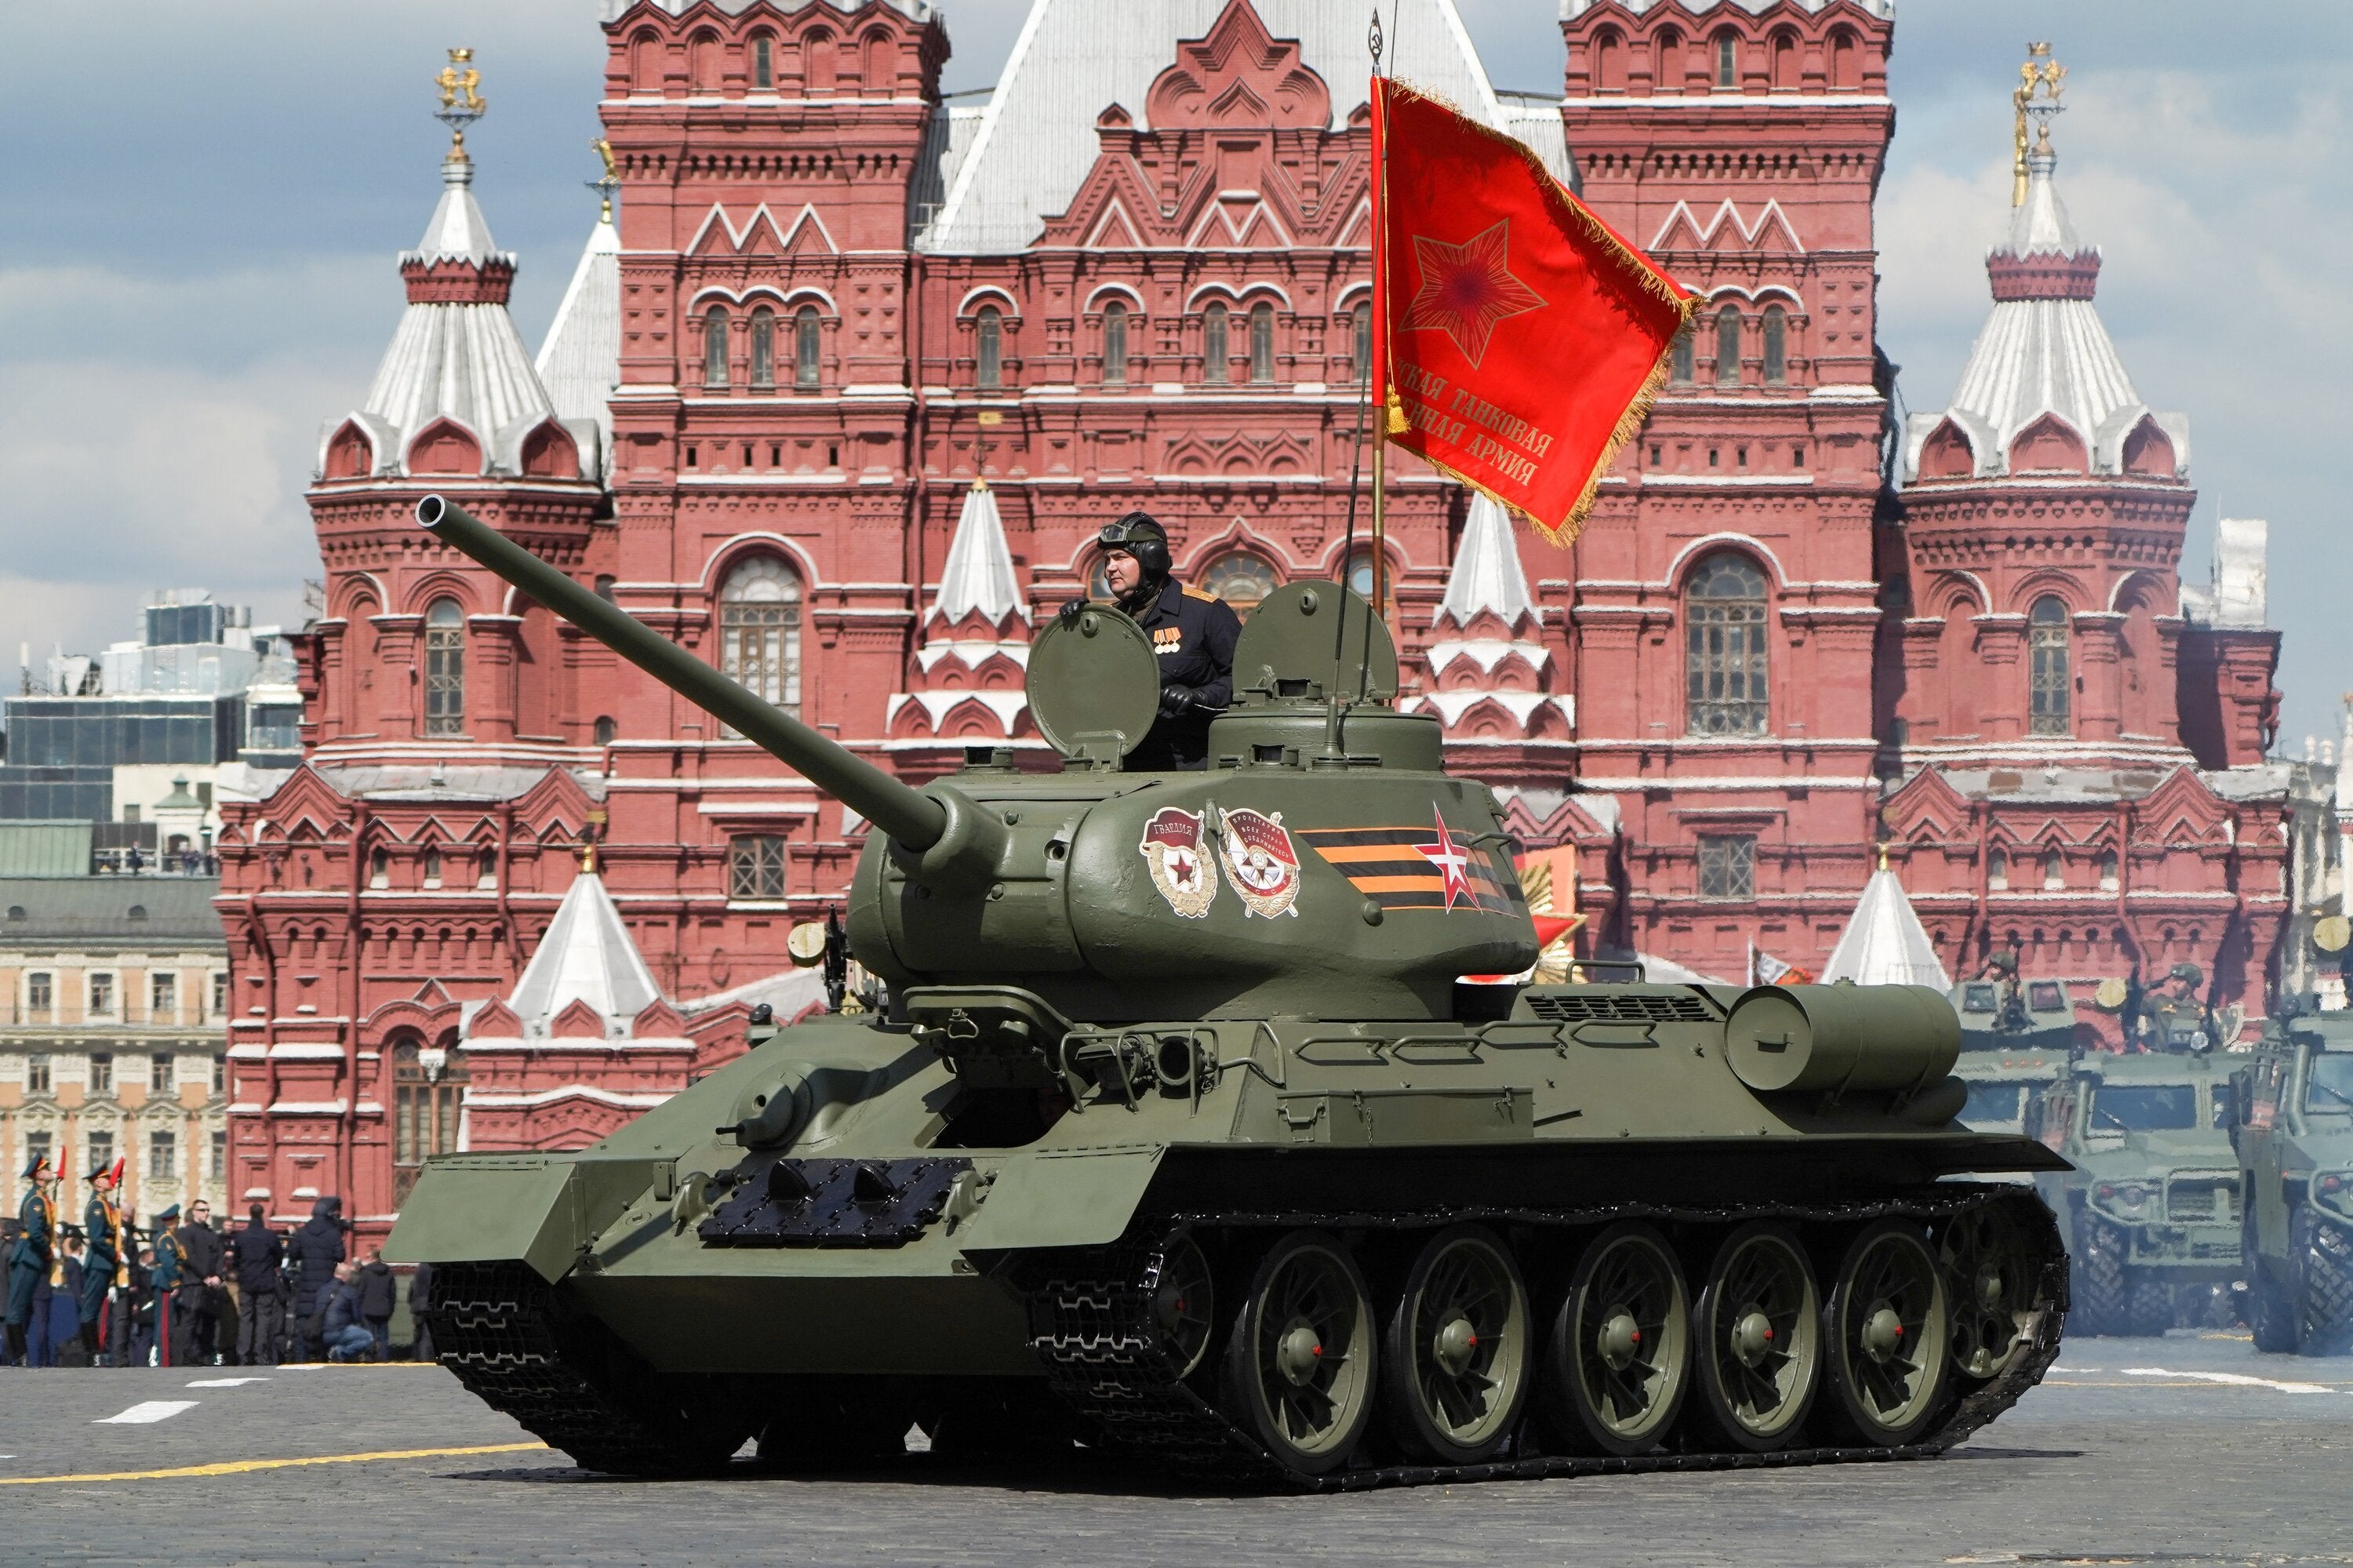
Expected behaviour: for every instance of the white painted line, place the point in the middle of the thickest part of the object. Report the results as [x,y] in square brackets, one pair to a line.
[146,1411]
[2236,1379]
[226,1382]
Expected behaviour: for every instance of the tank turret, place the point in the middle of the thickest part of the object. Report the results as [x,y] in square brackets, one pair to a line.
[1323,865]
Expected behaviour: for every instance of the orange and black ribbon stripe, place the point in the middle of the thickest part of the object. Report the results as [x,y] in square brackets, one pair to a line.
[1386,864]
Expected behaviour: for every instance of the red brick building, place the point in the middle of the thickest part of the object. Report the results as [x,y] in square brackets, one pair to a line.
[840,405]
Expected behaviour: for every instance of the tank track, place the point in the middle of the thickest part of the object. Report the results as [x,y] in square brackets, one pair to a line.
[1093,1328]
[495,1325]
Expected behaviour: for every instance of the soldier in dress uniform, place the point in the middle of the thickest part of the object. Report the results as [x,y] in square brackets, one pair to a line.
[1193,632]
[33,1255]
[103,1266]
[170,1268]
[2173,1016]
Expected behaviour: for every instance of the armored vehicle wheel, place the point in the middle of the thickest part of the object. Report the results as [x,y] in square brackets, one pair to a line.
[2099,1285]
[2323,1260]
[1301,1361]
[1756,1333]
[1183,1304]
[2271,1315]
[1886,1333]
[1989,1285]
[1617,1359]
[2150,1313]
[1456,1352]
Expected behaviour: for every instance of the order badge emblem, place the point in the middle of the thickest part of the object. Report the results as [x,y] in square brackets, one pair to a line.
[1172,852]
[1261,862]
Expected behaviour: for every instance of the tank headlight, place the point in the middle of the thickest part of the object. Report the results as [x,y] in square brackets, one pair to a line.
[2122,1195]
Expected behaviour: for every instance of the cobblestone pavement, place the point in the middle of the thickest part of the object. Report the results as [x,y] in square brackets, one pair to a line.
[2185,1450]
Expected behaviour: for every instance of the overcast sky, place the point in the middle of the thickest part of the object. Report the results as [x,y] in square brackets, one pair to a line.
[203,199]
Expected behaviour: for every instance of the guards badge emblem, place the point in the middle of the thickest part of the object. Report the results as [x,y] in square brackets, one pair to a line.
[1261,862]
[1172,852]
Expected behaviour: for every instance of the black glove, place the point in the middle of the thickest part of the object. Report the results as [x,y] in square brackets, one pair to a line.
[1070,612]
[1176,701]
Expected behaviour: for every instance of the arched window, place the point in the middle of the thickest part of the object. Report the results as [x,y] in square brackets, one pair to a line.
[764,348]
[990,324]
[2052,683]
[1998,869]
[806,325]
[1362,345]
[1670,76]
[1776,346]
[432,865]
[714,346]
[445,668]
[1216,363]
[606,730]
[1261,343]
[604,586]
[1240,579]
[2108,871]
[760,631]
[2054,870]
[486,866]
[764,61]
[1115,358]
[1724,657]
[1680,364]
[1727,59]
[1360,573]
[429,1090]
[1727,346]
[379,869]
[1785,61]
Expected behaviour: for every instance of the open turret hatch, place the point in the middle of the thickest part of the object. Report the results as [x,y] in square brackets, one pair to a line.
[1094,685]
[1308,640]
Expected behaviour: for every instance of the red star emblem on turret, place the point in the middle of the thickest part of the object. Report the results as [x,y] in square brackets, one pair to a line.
[1452,861]
[1468,289]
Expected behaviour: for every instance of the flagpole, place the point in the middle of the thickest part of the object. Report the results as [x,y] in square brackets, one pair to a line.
[1380,387]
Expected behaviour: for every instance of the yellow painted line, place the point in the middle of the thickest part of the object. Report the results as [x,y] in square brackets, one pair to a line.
[240,1466]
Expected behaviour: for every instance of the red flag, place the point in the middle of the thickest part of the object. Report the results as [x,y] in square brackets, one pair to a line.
[1519,339]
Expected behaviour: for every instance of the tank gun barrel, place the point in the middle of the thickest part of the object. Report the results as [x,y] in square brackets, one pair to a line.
[914,819]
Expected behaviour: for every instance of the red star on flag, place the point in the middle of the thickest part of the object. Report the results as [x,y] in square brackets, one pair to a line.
[1468,288]
[1452,861]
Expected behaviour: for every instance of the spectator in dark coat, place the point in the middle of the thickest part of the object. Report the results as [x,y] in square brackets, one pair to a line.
[256,1253]
[65,1349]
[318,1248]
[420,1309]
[345,1337]
[196,1304]
[379,1291]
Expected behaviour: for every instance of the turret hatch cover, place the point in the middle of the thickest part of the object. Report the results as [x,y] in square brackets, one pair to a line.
[1094,684]
[1316,630]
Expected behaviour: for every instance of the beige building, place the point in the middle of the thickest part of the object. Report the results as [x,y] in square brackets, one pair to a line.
[113,1004]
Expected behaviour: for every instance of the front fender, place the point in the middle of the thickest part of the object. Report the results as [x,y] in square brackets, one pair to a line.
[543,1209]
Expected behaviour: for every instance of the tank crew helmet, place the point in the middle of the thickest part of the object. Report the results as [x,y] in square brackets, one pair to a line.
[2005,960]
[1141,536]
[2189,973]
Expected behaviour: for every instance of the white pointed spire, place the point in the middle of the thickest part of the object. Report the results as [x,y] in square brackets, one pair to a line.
[1486,573]
[587,955]
[1884,943]
[459,231]
[579,361]
[979,571]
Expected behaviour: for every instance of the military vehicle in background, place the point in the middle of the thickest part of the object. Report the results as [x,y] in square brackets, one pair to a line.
[2150,1208]
[2294,1138]
[2016,1039]
[1180,1136]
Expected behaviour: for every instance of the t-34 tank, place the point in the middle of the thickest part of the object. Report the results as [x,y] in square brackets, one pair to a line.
[1178,1139]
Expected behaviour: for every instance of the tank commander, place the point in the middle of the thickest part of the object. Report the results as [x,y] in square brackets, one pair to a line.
[2010,1005]
[2173,1016]
[1193,632]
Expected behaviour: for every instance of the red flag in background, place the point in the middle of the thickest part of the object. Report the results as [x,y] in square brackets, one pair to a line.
[1519,339]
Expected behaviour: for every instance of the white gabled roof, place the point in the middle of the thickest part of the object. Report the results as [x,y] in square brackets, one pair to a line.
[979,571]
[579,362]
[587,955]
[1885,944]
[1036,141]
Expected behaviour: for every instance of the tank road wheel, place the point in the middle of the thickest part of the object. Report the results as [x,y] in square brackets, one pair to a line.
[2150,1309]
[1183,1305]
[1300,1361]
[1886,1329]
[1455,1355]
[1757,1332]
[1618,1359]
[2322,1254]
[1989,1285]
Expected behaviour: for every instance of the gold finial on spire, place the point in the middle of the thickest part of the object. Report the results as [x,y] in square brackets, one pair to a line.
[589,834]
[2040,82]
[462,102]
[1882,854]
[610,181]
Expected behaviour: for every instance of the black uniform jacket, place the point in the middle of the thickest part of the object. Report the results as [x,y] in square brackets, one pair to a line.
[1194,634]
